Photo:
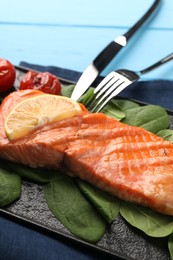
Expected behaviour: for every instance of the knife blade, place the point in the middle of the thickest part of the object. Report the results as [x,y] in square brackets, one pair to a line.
[107,54]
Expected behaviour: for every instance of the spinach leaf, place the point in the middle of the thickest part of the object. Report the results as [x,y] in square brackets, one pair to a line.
[107,205]
[72,209]
[87,98]
[10,187]
[126,104]
[170,245]
[151,117]
[150,222]
[166,134]
[67,90]
[112,109]
[84,99]
[37,175]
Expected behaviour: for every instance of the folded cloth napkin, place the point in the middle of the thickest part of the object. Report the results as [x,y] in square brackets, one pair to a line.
[157,92]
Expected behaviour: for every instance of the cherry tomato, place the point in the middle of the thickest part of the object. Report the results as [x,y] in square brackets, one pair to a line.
[45,82]
[7,75]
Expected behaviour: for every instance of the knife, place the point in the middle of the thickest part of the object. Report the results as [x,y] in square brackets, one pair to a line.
[107,54]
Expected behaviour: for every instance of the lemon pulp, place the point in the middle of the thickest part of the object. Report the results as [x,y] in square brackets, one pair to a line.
[38,110]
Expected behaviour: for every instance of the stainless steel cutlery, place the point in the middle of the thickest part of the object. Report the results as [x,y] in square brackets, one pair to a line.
[103,59]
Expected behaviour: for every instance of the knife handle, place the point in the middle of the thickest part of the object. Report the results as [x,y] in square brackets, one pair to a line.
[103,59]
[138,24]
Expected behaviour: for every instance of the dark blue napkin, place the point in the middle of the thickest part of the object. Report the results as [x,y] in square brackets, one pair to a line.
[157,92]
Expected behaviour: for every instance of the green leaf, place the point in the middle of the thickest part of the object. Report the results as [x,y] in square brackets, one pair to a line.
[150,222]
[72,209]
[37,175]
[67,90]
[112,109]
[126,104]
[10,187]
[107,205]
[170,245]
[87,97]
[166,134]
[152,118]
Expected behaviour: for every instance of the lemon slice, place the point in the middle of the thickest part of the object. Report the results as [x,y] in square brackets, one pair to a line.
[38,110]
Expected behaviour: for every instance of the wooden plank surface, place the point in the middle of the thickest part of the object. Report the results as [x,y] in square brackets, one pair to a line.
[70,34]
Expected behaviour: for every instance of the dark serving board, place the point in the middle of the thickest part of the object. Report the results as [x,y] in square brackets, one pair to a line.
[121,240]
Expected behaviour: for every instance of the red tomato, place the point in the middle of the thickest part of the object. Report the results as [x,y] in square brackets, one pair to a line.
[45,82]
[7,75]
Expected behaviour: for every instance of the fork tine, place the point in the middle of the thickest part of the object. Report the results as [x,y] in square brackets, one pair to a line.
[98,102]
[117,81]
[109,90]
[115,85]
[117,90]
[104,81]
[105,84]
[107,87]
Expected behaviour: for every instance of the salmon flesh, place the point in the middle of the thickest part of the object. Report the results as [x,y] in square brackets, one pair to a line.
[128,162]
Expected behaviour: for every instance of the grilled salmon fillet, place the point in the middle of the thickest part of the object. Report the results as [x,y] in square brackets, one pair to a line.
[128,162]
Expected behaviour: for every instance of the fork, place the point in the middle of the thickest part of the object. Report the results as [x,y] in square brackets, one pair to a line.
[118,80]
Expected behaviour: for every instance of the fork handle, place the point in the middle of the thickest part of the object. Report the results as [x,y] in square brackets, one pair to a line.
[137,25]
[157,64]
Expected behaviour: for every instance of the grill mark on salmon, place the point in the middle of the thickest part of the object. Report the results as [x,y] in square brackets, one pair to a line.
[126,161]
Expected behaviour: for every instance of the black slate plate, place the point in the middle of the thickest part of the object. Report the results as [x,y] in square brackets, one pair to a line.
[121,240]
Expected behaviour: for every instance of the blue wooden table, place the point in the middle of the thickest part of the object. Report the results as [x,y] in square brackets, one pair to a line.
[69,34]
